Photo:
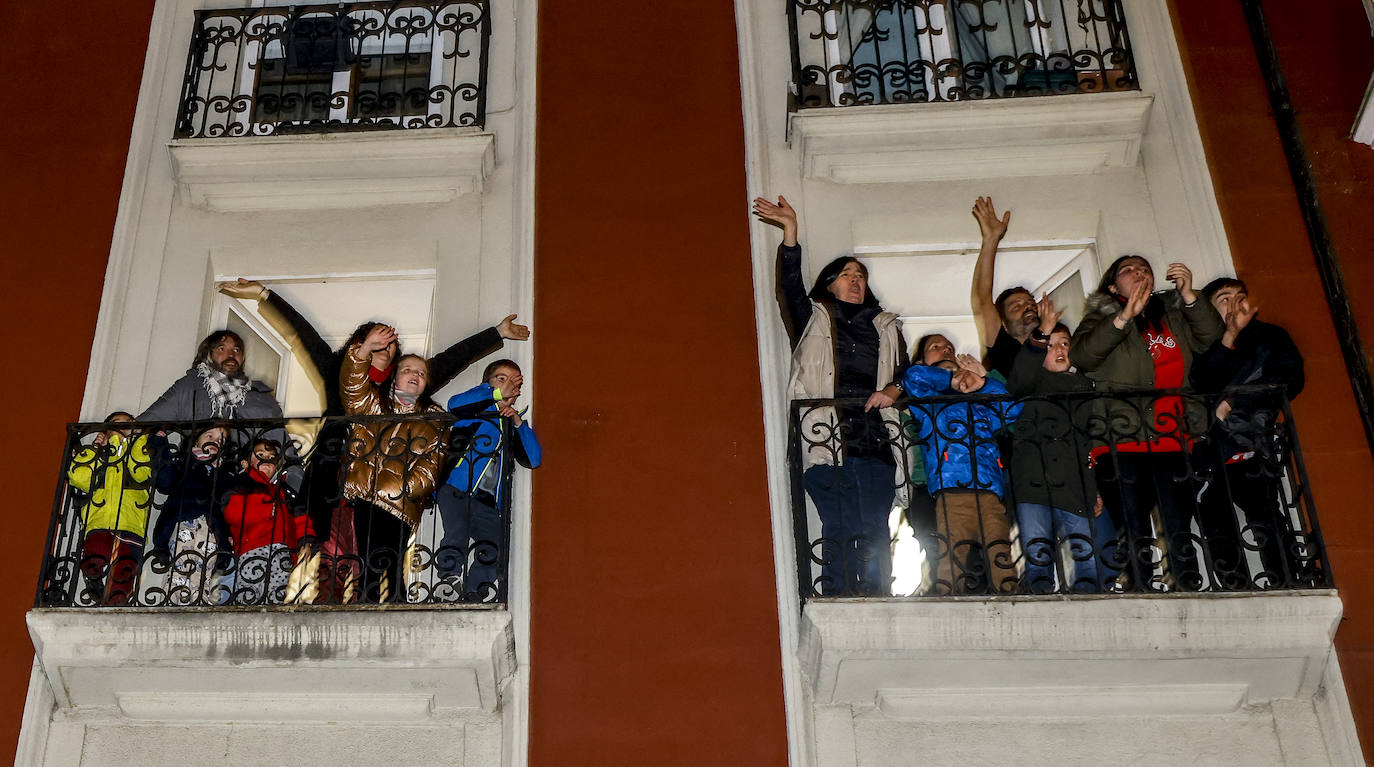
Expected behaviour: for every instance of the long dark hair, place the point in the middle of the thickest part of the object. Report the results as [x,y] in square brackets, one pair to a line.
[1152,317]
[820,291]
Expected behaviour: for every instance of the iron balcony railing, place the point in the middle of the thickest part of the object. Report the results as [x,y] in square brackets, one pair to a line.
[340,67]
[187,514]
[1100,492]
[852,52]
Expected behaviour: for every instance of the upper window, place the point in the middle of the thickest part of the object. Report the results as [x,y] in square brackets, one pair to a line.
[897,51]
[363,66]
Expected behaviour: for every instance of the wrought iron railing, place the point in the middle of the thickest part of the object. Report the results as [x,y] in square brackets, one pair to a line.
[339,67]
[187,513]
[850,52]
[1101,492]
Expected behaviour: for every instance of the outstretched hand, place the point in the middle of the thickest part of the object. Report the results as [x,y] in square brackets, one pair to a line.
[780,214]
[1049,315]
[992,227]
[247,290]
[511,331]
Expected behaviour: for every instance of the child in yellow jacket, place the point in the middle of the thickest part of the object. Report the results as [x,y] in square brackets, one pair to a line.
[115,473]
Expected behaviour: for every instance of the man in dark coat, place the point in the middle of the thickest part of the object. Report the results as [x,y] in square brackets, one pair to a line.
[1242,459]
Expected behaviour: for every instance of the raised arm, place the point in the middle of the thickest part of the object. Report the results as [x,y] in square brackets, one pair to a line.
[359,394]
[1205,326]
[455,359]
[791,291]
[980,297]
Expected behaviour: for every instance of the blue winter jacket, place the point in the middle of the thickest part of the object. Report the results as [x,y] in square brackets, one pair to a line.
[475,471]
[950,431]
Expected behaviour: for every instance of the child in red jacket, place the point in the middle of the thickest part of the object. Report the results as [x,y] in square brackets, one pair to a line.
[262,528]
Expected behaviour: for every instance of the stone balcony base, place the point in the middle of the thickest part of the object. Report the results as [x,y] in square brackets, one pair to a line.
[1059,656]
[192,665]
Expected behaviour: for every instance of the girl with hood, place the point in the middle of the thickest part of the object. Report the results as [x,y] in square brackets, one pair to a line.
[844,346]
[1131,338]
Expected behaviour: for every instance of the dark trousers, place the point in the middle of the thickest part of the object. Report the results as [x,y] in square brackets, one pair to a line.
[853,501]
[1131,485]
[472,526]
[1254,487]
[382,538]
[110,560]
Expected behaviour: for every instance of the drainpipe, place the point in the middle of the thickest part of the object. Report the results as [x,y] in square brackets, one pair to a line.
[1347,331]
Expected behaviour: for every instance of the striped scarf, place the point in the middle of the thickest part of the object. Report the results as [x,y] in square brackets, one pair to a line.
[226,393]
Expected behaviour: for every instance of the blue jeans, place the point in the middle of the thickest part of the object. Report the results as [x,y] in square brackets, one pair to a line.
[1043,529]
[853,501]
[471,526]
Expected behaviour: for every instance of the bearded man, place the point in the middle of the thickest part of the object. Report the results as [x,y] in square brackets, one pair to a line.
[215,387]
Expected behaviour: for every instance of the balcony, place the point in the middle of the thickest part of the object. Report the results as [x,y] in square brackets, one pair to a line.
[281,107]
[1215,601]
[187,576]
[1232,513]
[933,90]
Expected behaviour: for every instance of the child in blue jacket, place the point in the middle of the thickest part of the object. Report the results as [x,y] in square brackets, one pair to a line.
[471,498]
[963,466]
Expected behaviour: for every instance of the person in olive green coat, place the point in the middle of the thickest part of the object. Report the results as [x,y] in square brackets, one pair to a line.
[1132,338]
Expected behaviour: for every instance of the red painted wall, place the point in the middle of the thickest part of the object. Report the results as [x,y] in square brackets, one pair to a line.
[63,143]
[1326,52]
[655,628]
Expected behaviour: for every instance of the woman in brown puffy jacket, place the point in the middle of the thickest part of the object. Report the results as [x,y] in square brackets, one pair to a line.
[391,465]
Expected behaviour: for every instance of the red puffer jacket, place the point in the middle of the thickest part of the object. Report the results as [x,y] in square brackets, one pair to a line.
[258,513]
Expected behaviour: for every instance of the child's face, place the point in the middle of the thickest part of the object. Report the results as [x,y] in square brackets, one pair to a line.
[265,459]
[508,380]
[1057,355]
[105,436]
[412,375]
[209,443]
[938,349]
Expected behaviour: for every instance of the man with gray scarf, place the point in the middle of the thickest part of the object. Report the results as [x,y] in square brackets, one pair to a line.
[215,387]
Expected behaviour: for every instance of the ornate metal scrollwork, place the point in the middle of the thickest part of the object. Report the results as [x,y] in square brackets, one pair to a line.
[343,67]
[864,52]
[1170,500]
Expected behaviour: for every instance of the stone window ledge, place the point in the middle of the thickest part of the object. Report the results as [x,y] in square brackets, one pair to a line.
[332,170]
[1002,138]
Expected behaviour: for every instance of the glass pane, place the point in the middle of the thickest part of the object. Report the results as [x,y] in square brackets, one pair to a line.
[260,361]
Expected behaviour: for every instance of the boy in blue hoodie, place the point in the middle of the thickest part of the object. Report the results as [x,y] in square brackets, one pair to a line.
[470,500]
[963,466]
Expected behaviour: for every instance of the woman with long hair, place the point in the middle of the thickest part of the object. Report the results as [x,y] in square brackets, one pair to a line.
[1133,338]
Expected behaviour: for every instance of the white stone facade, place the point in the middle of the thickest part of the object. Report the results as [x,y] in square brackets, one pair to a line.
[430,230]
[1240,680]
